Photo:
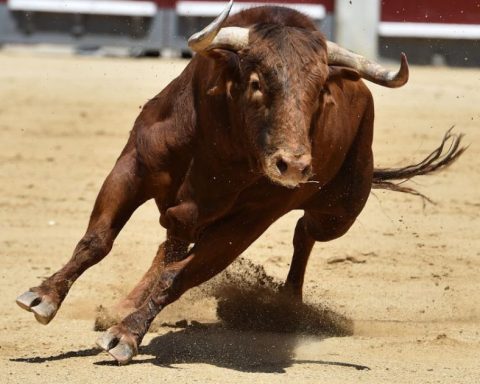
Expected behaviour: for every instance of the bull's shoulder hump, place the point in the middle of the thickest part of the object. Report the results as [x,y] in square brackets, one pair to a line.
[271,15]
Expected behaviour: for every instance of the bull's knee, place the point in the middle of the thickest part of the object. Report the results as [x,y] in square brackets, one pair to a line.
[93,247]
[329,228]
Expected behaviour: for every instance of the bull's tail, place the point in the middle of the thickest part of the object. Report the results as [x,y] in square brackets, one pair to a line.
[447,152]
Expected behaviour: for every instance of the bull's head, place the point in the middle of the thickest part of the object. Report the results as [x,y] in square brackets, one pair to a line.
[274,84]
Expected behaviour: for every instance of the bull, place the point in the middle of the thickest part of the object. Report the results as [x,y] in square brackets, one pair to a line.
[268,117]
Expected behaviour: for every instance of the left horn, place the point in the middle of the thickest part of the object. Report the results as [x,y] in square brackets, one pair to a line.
[214,36]
[368,69]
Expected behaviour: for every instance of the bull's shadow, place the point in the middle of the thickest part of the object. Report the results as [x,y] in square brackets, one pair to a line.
[213,344]
[246,351]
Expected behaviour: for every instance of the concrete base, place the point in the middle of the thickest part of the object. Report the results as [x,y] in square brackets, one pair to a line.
[90,31]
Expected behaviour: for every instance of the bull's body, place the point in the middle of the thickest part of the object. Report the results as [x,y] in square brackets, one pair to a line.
[183,124]
[187,151]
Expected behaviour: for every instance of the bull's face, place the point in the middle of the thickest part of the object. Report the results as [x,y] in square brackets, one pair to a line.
[275,96]
[273,76]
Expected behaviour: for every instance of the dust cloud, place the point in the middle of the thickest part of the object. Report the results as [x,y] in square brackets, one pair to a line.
[248,299]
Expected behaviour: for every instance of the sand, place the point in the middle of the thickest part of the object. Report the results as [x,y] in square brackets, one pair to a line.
[412,301]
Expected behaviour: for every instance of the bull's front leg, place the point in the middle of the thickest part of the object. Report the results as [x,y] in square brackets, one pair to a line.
[119,196]
[219,246]
[169,251]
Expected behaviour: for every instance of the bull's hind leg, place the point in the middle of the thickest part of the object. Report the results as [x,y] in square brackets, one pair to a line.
[213,252]
[331,212]
[118,198]
[311,228]
[302,247]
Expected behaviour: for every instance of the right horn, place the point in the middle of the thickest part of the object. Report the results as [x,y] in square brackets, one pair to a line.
[214,36]
[368,69]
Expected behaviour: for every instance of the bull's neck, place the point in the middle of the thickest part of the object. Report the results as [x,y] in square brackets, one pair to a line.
[217,141]
[219,138]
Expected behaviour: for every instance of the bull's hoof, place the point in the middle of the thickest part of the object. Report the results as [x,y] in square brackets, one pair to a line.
[42,306]
[119,343]
[291,293]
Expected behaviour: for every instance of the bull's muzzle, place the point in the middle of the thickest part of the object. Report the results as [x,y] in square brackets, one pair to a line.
[289,169]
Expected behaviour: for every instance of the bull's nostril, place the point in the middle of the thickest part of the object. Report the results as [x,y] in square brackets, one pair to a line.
[282,166]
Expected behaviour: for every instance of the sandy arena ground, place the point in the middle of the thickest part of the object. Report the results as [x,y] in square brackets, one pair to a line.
[414,295]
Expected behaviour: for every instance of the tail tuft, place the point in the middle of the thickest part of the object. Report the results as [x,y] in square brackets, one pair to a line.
[447,152]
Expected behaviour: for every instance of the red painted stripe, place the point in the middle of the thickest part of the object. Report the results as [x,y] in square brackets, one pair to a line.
[165,3]
[432,11]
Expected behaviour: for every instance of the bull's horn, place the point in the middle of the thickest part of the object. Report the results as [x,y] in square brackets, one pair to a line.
[369,70]
[214,36]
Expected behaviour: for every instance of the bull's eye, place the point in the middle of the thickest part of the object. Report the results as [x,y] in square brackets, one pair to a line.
[255,86]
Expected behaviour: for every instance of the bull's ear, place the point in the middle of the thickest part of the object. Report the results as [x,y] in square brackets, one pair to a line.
[222,56]
[336,73]
[226,62]
[222,86]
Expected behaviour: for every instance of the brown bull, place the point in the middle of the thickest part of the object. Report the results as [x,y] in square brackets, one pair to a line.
[268,117]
